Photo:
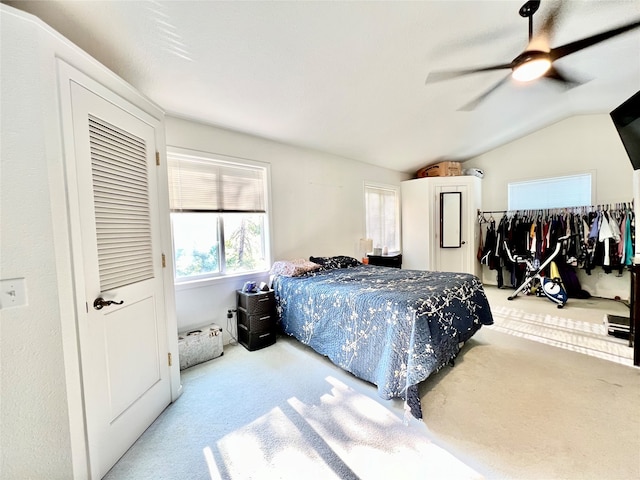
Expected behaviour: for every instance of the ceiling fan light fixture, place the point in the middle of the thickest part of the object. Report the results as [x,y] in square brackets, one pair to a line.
[531,65]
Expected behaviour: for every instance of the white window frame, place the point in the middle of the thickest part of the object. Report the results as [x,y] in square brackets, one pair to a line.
[396,190]
[551,192]
[176,153]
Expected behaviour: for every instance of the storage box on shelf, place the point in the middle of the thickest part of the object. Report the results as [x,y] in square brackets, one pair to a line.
[442,169]
[256,319]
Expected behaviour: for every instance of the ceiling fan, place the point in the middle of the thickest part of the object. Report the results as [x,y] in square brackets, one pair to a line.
[534,62]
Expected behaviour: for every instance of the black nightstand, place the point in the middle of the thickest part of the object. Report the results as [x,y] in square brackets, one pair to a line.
[394,261]
[256,319]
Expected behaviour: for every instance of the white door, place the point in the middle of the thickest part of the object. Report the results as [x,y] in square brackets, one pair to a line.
[455,259]
[123,345]
[417,225]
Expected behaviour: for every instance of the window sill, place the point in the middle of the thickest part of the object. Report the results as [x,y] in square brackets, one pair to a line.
[258,276]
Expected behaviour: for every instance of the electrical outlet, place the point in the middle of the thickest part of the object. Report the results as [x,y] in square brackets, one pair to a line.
[13,293]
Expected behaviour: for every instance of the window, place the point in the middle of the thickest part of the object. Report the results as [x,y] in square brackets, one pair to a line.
[218,216]
[382,215]
[554,192]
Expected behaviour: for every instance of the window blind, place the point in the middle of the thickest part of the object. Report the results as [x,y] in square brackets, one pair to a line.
[207,185]
[554,192]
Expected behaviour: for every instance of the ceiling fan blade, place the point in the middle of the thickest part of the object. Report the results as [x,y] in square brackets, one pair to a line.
[474,103]
[573,47]
[548,27]
[567,81]
[446,75]
[542,39]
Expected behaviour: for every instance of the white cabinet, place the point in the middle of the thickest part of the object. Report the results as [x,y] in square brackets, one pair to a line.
[421,221]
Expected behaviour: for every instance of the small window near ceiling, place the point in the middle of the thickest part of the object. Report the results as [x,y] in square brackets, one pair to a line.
[552,192]
[382,209]
[218,216]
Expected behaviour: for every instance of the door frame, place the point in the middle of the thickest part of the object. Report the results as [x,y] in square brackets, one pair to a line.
[115,91]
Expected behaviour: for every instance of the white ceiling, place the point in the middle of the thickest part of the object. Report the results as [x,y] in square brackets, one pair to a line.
[348,78]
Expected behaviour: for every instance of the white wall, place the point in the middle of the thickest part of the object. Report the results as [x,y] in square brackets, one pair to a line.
[42,432]
[585,143]
[317,207]
[34,423]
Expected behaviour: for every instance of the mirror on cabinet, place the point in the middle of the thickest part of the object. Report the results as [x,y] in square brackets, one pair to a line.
[450,219]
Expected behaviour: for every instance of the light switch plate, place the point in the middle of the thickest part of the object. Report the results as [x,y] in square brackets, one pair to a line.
[13,293]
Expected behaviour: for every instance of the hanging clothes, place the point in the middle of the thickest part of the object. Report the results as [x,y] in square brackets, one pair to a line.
[604,234]
[597,237]
[629,240]
[488,257]
[480,241]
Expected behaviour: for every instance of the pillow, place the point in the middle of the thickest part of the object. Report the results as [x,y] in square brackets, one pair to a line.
[339,261]
[293,268]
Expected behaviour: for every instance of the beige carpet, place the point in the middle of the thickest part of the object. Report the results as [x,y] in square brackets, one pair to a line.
[579,326]
[284,412]
[510,408]
[543,412]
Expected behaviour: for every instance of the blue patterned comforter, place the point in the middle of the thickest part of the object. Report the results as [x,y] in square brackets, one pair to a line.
[390,327]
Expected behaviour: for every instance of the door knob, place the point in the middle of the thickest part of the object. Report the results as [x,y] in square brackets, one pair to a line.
[100,302]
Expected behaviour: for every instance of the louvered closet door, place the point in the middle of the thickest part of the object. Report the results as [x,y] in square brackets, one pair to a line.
[121,202]
[124,343]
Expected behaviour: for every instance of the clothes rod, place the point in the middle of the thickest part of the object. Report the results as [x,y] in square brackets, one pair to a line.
[604,206]
[480,212]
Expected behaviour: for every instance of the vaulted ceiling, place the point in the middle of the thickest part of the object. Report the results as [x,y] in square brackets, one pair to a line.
[348,77]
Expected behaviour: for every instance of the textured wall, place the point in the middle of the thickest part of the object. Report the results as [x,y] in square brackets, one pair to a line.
[42,432]
[34,423]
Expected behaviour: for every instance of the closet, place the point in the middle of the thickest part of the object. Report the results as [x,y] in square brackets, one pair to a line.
[87,358]
[423,202]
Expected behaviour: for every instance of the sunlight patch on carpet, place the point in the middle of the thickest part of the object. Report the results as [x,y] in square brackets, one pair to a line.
[344,434]
[271,446]
[211,464]
[558,331]
[358,429]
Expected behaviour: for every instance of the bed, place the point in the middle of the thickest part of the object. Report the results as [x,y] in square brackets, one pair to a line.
[387,326]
